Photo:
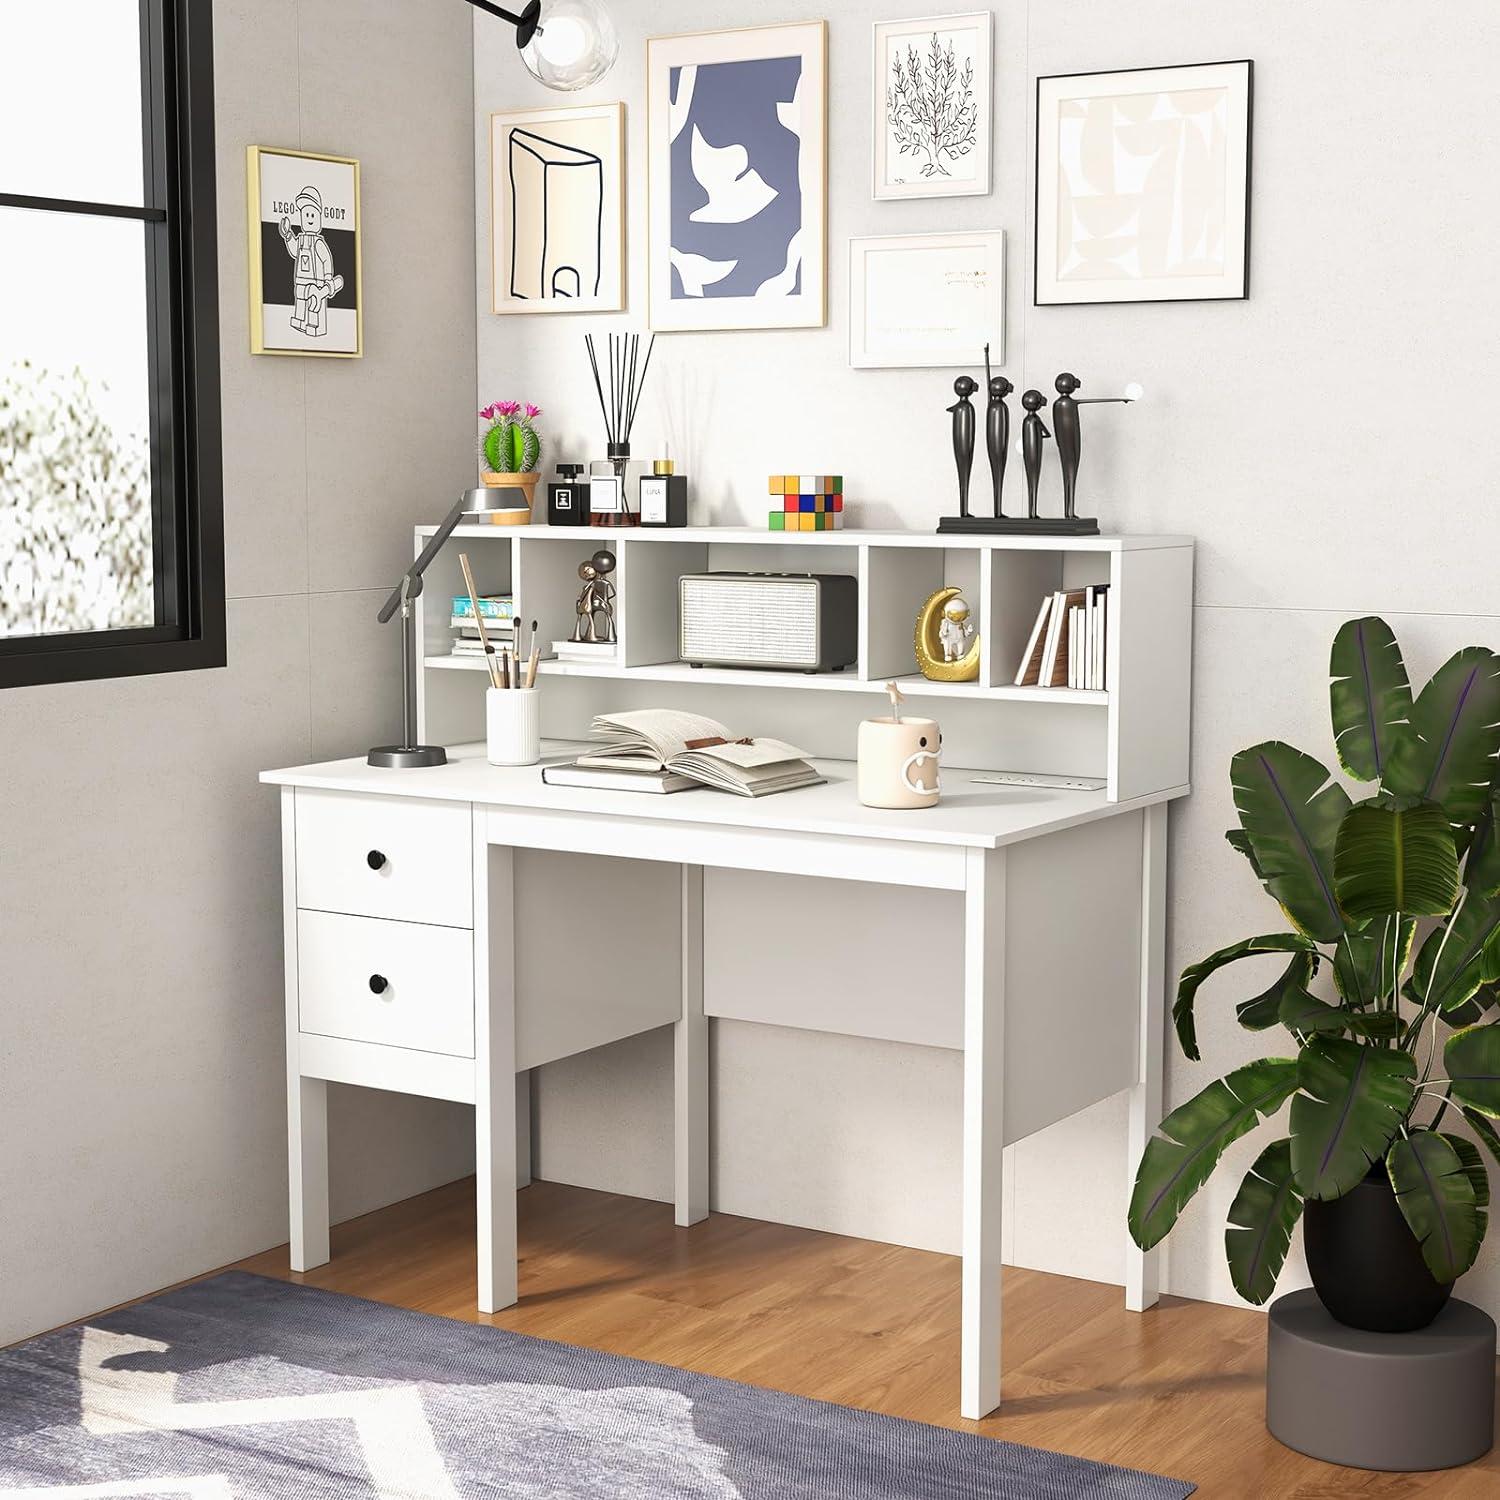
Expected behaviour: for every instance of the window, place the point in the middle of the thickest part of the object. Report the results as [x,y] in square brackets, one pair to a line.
[111,514]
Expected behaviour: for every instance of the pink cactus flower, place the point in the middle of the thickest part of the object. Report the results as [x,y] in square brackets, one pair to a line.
[532,411]
[507,408]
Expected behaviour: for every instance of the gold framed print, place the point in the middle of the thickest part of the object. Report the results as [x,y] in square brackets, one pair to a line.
[306,287]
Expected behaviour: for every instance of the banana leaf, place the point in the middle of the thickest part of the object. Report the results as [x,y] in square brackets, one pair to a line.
[1239,839]
[1472,1058]
[1313,1017]
[1482,862]
[1263,1011]
[1367,962]
[1484,1128]
[1474,1169]
[1450,963]
[1369,694]
[1261,1220]
[1436,1197]
[1395,857]
[1194,975]
[1489,968]
[1351,1101]
[1450,758]
[1474,1009]
[1182,1156]
[1290,810]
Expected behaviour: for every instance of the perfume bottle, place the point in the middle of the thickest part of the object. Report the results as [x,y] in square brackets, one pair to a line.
[663,495]
[568,498]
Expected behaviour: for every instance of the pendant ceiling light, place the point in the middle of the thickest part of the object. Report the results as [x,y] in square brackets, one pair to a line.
[565,44]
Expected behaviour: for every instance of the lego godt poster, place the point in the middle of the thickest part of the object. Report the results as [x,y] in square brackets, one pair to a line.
[305,292]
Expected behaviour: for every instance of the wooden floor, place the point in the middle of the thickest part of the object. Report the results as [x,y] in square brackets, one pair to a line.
[1177,1391]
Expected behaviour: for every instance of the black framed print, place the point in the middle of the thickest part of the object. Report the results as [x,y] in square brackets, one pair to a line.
[1143,185]
[306,292]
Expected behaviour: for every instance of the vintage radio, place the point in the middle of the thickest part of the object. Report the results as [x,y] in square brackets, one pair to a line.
[800,622]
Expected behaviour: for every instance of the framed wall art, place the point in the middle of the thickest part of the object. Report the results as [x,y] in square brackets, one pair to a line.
[306,291]
[1143,185]
[557,209]
[933,107]
[738,178]
[924,301]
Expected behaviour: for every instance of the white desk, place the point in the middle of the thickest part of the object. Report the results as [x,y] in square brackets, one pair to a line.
[400,917]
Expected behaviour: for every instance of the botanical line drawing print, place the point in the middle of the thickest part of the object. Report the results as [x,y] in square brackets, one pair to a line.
[312,274]
[930,107]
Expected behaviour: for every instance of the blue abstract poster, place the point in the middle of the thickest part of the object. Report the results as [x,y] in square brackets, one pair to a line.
[735,180]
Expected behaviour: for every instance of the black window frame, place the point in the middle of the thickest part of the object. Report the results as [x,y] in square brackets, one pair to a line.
[182,305]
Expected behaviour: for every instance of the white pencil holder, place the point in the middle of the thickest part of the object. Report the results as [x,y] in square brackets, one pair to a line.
[513,725]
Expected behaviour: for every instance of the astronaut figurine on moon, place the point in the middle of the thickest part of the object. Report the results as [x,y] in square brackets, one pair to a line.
[312,273]
[955,632]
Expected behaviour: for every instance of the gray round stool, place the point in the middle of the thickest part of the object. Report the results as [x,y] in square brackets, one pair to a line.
[1398,1401]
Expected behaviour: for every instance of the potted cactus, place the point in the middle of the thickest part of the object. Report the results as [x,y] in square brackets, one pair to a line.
[1385,1013]
[509,452]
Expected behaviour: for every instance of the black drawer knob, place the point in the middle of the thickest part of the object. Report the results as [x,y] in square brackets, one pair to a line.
[375,859]
[379,984]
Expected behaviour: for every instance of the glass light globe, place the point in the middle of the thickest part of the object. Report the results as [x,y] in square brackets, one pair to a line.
[1135,391]
[575,44]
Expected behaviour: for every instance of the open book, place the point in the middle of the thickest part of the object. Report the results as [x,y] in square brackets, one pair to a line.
[666,747]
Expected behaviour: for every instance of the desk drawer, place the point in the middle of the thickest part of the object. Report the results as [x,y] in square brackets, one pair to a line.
[385,857]
[396,983]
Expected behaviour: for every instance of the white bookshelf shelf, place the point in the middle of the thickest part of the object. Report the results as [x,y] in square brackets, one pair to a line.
[839,682]
[1135,737]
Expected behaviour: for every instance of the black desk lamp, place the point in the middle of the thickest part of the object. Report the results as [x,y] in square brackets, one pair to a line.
[408,754]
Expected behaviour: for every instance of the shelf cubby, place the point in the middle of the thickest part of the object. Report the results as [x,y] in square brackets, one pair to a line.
[1137,743]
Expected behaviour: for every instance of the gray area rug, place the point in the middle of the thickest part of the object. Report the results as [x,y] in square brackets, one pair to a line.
[244,1387]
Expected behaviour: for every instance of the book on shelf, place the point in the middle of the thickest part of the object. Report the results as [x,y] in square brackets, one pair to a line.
[1068,642]
[465,625]
[491,606]
[654,741]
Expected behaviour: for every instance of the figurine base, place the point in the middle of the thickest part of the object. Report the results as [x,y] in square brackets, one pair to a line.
[1019,526]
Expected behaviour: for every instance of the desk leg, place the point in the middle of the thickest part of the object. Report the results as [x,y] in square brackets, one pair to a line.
[306,1098]
[495,1068]
[307,1160]
[1142,1270]
[690,1061]
[984,1127]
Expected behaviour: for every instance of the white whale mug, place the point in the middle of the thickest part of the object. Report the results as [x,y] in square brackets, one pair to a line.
[898,762]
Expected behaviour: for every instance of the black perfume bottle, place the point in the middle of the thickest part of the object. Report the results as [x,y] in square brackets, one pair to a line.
[568,498]
[663,496]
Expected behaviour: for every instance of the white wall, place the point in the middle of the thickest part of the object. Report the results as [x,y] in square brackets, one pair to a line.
[1304,437]
[142,1105]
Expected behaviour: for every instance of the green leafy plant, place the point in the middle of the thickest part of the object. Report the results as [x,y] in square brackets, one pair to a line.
[1370,1082]
[511,443]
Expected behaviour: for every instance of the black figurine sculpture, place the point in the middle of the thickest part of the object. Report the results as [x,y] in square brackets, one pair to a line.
[1033,433]
[996,428]
[963,437]
[1069,439]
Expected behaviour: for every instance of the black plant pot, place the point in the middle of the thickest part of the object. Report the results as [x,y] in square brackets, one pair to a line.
[1366,1263]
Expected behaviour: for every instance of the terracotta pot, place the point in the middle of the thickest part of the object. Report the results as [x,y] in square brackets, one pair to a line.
[1366,1263]
[523,482]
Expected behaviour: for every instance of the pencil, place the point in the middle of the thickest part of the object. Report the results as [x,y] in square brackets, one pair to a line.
[484,639]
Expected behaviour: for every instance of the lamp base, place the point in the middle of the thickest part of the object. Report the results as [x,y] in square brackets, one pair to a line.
[407,757]
[1019,525]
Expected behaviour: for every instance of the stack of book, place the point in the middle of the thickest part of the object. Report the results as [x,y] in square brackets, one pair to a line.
[499,611]
[1069,642]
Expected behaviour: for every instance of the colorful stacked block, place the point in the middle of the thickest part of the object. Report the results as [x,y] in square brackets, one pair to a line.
[809,502]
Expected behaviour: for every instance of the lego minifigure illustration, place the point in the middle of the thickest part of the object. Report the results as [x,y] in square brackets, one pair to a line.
[312,273]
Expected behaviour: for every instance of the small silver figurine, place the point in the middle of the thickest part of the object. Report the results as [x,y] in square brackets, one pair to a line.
[595,608]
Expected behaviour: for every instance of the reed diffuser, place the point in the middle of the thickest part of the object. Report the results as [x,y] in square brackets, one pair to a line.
[619,396]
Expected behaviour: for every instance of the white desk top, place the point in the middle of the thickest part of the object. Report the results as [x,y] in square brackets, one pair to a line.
[974,815]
